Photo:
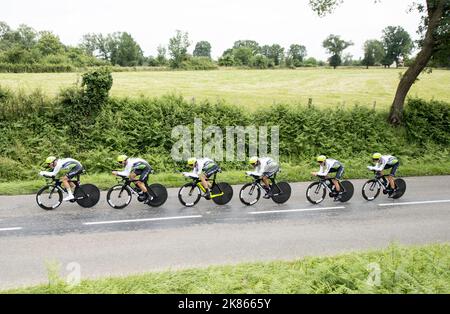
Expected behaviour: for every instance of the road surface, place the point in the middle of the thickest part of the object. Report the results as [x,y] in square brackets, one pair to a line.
[103,241]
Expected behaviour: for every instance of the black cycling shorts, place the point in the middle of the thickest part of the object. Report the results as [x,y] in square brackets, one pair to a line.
[339,172]
[211,170]
[77,170]
[143,173]
[393,168]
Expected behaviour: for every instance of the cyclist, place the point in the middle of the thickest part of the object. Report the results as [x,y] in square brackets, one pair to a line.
[135,167]
[204,168]
[328,165]
[386,162]
[266,168]
[68,167]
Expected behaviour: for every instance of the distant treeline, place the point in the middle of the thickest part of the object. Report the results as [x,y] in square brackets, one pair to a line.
[27,50]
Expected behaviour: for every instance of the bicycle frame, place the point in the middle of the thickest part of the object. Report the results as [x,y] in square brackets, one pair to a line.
[257,182]
[323,182]
[126,184]
[379,180]
[57,184]
[199,184]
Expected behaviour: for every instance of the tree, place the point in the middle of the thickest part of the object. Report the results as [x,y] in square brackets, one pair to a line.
[161,57]
[274,52]
[127,51]
[202,49]
[251,44]
[434,43]
[335,46]
[49,44]
[242,55]
[297,53]
[227,60]
[178,46]
[397,44]
[373,52]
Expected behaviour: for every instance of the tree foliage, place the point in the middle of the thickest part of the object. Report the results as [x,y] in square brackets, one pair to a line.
[335,46]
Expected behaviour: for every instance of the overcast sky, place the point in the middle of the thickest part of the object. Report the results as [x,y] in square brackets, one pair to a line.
[221,22]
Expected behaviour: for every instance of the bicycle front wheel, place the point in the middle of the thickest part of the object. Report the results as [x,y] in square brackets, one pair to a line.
[189,194]
[250,194]
[315,193]
[371,190]
[49,197]
[118,196]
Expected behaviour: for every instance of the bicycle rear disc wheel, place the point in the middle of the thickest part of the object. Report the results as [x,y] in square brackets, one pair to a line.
[159,195]
[227,193]
[189,194]
[315,193]
[282,192]
[49,197]
[89,193]
[250,194]
[371,189]
[118,196]
[401,188]
[348,191]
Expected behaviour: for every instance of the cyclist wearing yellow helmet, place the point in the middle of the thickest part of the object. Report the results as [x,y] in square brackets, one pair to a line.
[135,167]
[386,162]
[266,168]
[69,167]
[203,168]
[328,165]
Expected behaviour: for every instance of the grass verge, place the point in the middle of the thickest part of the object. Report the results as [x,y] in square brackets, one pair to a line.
[354,169]
[396,269]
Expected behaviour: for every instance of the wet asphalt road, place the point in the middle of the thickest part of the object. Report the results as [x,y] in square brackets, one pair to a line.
[105,241]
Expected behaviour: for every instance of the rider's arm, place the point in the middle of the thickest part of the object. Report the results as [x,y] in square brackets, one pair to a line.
[380,165]
[126,172]
[323,171]
[55,171]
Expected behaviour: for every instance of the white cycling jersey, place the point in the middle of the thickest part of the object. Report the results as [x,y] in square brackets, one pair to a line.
[61,164]
[329,164]
[200,164]
[384,160]
[265,164]
[132,164]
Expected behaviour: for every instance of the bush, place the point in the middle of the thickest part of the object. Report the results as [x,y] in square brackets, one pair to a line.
[199,63]
[35,68]
[34,127]
[428,121]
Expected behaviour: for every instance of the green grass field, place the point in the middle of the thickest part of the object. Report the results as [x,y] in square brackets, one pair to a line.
[255,87]
[396,269]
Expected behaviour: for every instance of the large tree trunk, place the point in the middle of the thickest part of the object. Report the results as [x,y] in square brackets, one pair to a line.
[435,10]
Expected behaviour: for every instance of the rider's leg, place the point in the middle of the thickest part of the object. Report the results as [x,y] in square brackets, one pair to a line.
[140,184]
[266,182]
[204,181]
[336,185]
[391,182]
[65,180]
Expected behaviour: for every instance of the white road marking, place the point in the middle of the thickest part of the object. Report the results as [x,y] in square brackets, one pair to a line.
[415,203]
[11,229]
[139,220]
[294,210]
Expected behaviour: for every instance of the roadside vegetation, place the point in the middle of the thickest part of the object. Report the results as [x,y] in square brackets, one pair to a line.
[394,270]
[85,123]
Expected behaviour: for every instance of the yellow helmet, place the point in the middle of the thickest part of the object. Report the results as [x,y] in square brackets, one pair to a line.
[253,160]
[191,161]
[321,158]
[50,159]
[122,158]
[376,156]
